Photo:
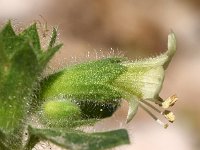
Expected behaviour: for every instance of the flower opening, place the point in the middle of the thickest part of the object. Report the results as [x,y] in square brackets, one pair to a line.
[141,84]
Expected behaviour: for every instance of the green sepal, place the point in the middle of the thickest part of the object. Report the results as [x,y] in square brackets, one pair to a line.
[45,58]
[86,81]
[16,86]
[53,38]
[3,141]
[68,124]
[9,40]
[31,34]
[19,70]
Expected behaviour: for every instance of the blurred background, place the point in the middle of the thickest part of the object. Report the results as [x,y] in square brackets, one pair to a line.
[136,29]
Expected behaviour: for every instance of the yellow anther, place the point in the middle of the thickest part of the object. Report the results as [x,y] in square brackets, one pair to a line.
[169,115]
[169,101]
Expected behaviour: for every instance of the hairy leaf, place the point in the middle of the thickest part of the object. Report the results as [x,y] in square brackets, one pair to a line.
[78,140]
[20,67]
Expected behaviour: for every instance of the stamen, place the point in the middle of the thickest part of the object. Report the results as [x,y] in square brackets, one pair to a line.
[156,101]
[169,115]
[154,117]
[153,107]
[159,101]
[169,101]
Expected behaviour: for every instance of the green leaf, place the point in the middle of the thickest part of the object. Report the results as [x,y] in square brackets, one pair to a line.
[8,30]
[2,137]
[53,38]
[9,41]
[77,140]
[8,33]
[44,59]
[19,72]
[3,142]
[31,34]
[19,69]
[17,86]
[3,147]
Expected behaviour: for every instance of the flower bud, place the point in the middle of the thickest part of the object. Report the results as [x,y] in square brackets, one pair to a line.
[90,81]
[111,79]
[60,112]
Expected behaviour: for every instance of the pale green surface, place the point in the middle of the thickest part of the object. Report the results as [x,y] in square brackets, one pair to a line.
[60,113]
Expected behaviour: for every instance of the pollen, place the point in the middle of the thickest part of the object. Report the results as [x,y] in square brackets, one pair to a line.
[144,104]
[169,116]
[169,101]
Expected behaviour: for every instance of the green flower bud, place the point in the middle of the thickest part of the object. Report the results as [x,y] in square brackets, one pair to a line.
[111,79]
[90,81]
[57,113]
[89,85]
